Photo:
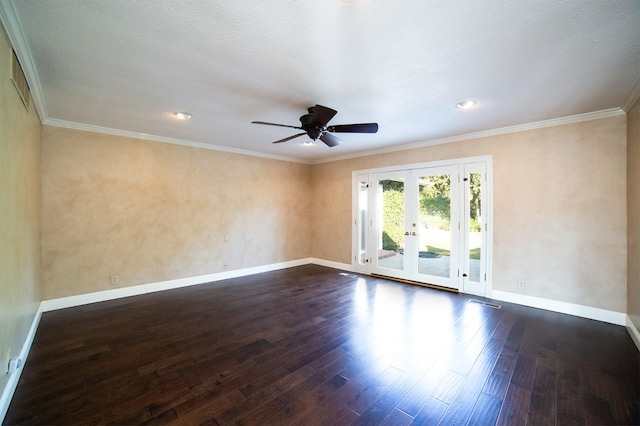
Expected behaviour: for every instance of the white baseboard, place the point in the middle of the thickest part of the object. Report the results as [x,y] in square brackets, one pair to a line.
[633,332]
[101,296]
[612,317]
[12,383]
[331,264]
[604,315]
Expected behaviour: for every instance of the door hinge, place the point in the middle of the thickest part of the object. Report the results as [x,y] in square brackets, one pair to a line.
[485,276]
[486,227]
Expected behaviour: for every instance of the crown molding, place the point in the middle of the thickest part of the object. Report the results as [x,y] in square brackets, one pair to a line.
[612,112]
[12,28]
[174,141]
[632,98]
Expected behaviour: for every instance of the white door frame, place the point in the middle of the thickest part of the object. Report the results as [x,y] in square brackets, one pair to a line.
[361,262]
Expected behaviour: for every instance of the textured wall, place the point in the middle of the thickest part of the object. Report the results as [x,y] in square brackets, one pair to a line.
[149,211]
[19,215]
[559,208]
[633,200]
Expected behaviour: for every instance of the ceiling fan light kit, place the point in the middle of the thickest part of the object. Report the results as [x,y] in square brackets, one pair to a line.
[466,104]
[182,115]
[314,125]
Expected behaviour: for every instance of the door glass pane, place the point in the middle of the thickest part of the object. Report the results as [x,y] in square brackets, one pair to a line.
[362,218]
[434,249]
[391,216]
[475,225]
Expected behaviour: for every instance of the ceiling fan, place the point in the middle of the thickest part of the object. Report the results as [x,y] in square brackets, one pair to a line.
[315,126]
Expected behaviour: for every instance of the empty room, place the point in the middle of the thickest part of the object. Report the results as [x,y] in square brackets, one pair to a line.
[320,213]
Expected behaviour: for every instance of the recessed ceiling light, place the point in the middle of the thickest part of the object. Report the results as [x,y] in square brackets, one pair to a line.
[466,104]
[309,142]
[182,115]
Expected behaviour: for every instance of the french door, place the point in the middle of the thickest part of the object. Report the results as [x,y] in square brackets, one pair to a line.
[426,224]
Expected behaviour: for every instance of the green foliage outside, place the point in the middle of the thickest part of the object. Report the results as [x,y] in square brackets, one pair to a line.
[435,208]
[393,220]
[435,201]
[475,212]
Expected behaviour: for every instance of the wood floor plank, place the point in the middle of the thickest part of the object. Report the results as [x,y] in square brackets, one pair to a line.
[515,406]
[485,411]
[315,345]
[397,418]
[448,387]
[461,408]
[431,412]
[570,409]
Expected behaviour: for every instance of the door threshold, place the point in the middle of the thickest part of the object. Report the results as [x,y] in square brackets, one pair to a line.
[402,280]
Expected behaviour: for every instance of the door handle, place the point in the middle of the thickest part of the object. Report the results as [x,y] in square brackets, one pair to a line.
[464,275]
[414,233]
[406,233]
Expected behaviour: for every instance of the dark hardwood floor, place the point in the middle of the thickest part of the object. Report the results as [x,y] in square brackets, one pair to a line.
[314,345]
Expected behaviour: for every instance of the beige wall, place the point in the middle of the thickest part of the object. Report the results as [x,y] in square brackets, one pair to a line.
[150,212]
[559,208]
[633,199]
[19,215]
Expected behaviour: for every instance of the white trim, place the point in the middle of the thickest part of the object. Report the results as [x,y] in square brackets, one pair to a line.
[612,317]
[632,98]
[118,293]
[101,296]
[155,138]
[12,383]
[633,332]
[487,160]
[11,23]
[604,315]
[612,112]
[426,165]
[331,264]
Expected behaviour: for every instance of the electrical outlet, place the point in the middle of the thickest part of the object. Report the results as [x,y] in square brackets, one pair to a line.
[114,279]
[225,265]
[14,364]
[521,285]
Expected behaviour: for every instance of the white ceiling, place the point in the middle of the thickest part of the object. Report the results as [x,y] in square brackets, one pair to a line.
[124,66]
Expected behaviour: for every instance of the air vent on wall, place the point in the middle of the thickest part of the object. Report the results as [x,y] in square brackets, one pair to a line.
[19,81]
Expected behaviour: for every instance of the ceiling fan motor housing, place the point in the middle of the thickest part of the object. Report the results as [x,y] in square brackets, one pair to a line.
[314,130]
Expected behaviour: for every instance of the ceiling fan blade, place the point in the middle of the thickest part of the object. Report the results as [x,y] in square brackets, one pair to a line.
[289,138]
[354,128]
[330,140]
[275,124]
[321,114]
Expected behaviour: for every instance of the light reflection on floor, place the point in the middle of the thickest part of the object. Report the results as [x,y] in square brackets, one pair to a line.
[416,326]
